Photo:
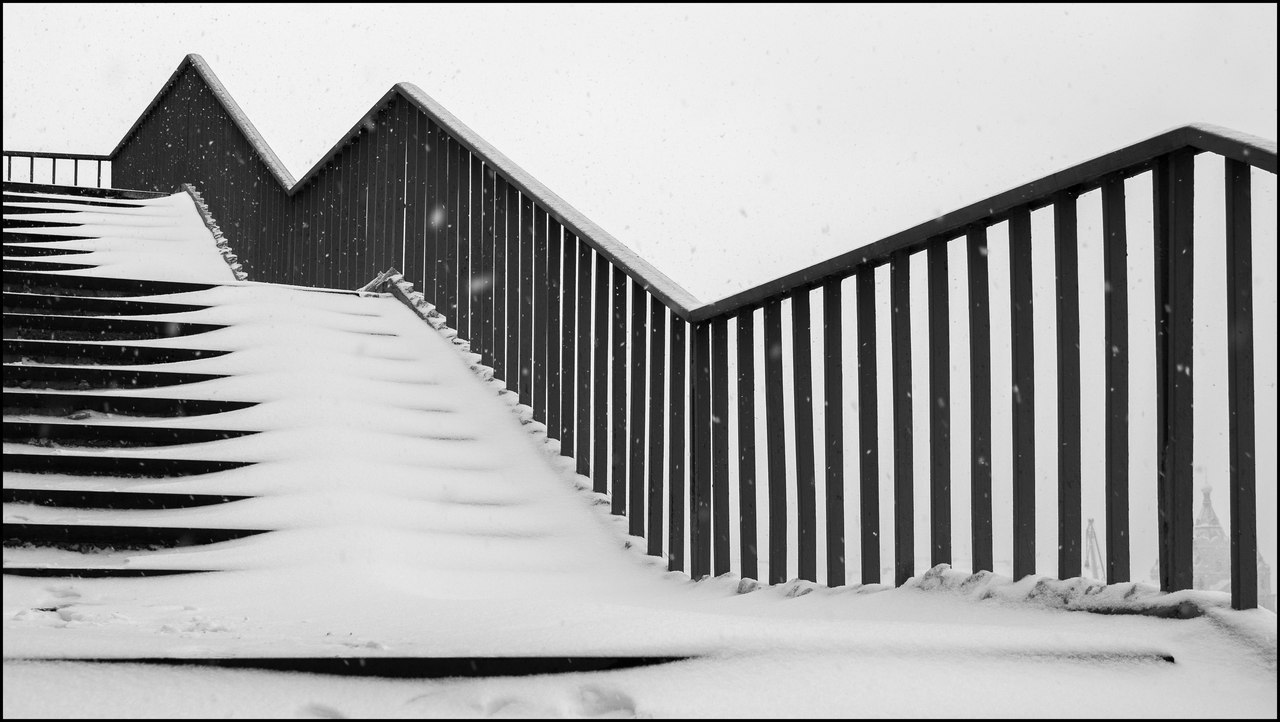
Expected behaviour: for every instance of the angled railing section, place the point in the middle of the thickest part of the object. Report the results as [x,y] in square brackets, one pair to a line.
[634,376]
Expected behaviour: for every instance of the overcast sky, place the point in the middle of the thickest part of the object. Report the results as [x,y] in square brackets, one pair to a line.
[725,143]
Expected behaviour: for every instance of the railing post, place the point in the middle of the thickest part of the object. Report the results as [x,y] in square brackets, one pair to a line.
[1244,502]
[903,448]
[1021,331]
[700,451]
[1066,272]
[1116,378]
[1174,235]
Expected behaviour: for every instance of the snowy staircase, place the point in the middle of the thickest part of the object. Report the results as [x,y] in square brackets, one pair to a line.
[74,367]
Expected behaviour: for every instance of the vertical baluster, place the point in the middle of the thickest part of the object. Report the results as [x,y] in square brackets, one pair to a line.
[1022,329]
[415,202]
[675,460]
[568,337]
[467,254]
[657,417]
[980,398]
[586,341]
[1116,377]
[398,175]
[833,426]
[719,361]
[903,449]
[482,259]
[600,469]
[806,484]
[552,295]
[540,325]
[433,152]
[1174,233]
[747,443]
[1066,267]
[75,172]
[776,440]
[1243,492]
[868,422]
[636,477]
[514,275]
[379,193]
[526,301]
[700,437]
[939,404]
[501,278]
[618,374]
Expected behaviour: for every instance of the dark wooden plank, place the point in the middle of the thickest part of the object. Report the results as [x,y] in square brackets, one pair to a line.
[903,444]
[720,446]
[482,272]
[806,483]
[1115,276]
[568,340]
[379,246]
[1022,330]
[501,278]
[514,279]
[434,215]
[939,404]
[833,427]
[657,418]
[1243,473]
[448,275]
[399,177]
[775,429]
[414,199]
[1067,274]
[541,327]
[868,423]
[676,457]
[553,300]
[586,342]
[700,438]
[1174,200]
[468,239]
[600,378]
[618,376]
[746,421]
[526,302]
[639,371]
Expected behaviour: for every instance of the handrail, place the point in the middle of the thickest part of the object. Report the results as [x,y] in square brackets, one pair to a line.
[57,156]
[1077,179]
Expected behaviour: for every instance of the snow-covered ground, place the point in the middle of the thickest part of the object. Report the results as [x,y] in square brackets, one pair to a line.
[418,516]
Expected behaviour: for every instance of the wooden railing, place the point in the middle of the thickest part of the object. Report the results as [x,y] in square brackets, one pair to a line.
[634,376]
[78,169]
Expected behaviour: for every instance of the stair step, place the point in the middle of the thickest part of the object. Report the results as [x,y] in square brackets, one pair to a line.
[96,328]
[75,354]
[91,536]
[18,238]
[41,403]
[126,467]
[30,264]
[72,433]
[89,305]
[19,223]
[14,250]
[64,284]
[85,378]
[113,499]
[95,573]
[87,193]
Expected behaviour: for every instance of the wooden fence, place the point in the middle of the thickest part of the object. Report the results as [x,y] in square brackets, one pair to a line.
[633,375]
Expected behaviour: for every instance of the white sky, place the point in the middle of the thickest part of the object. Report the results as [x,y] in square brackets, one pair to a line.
[727,143]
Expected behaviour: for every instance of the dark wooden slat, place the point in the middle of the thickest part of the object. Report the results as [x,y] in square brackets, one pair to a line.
[775,430]
[448,268]
[903,449]
[482,274]
[675,459]
[398,177]
[434,221]
[639,371]
[553,299]
[586,342]
[526,302]
[700,437]
[568,341]
[980,398]
[618,376]
[806,483]
[1243,473]
[1066,267]
[541,326]
[501,278]
[600,378]
[720,446]
[468,241]
[415,201]
[1174,241]
[833,426]
[657,417]
[1022,329]
[514,279]
[868,421]
[379,191]
[1116,377]
[746,421]
[939,405]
